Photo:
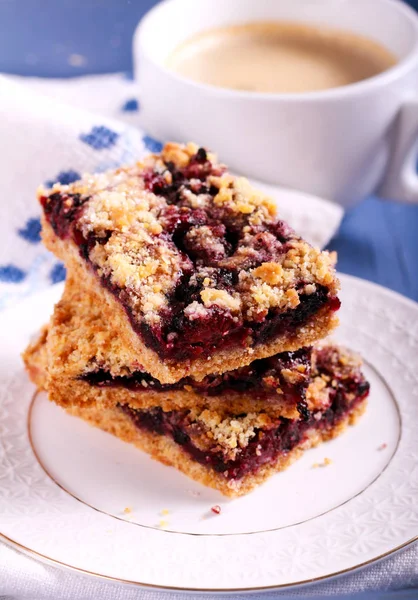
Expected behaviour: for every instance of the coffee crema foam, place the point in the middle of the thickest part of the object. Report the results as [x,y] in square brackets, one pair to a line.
[279,57]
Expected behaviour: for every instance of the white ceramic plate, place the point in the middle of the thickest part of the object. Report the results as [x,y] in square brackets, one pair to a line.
[64,486]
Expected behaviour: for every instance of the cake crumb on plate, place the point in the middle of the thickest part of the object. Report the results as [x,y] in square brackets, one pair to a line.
[327,461]
[162,524]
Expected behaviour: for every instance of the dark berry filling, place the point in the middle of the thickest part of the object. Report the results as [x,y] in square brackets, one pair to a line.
[267,444]
[209,238]
[261,379]
[181,339]
[192,177]
[61,210]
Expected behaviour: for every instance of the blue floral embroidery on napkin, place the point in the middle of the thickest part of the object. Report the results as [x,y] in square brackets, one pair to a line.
[12,274]
[57,273]
[64,178]
[31,232]
[151,144]
[100,137]
[131,105]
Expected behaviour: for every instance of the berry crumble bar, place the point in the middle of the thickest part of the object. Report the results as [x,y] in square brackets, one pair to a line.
[191,265]
[234,452]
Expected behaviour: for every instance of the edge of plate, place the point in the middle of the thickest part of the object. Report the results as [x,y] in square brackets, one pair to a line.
[56,563]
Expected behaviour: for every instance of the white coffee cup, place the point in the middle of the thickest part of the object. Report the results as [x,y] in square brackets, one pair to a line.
[342,144]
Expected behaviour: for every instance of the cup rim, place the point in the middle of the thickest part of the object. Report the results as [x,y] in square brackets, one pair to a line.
[345,91]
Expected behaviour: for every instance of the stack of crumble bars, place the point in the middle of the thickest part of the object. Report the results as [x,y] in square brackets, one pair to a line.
[190,319]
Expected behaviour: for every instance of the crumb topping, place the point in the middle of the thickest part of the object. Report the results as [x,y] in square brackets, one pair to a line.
[220,298]
[238,197]
[332,367]
[152,269]
[231,433]
[318,394]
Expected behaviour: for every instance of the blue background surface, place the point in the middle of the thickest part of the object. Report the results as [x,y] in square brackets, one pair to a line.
[378,240]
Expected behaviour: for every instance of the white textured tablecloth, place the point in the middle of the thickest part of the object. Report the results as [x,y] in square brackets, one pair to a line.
[54,130]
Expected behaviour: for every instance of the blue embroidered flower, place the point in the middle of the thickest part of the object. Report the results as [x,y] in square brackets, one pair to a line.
[131,105]
[57,273]
[12,274]
[100,137]
[151,144]
[64,177]
[31,232]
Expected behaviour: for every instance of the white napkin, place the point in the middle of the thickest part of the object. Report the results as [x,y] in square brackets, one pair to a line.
[46,134]
[43,140]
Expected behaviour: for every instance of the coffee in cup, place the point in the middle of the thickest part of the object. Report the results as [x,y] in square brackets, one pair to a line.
[279,57]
